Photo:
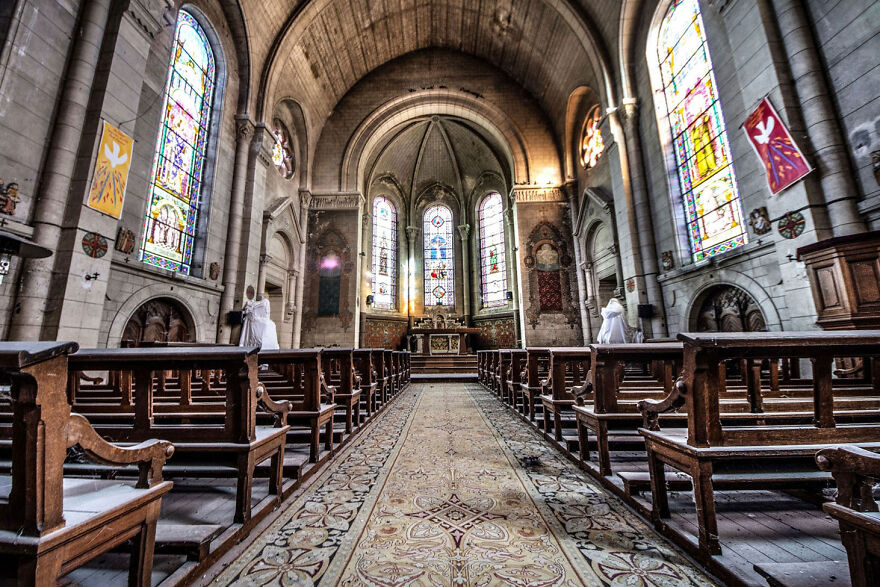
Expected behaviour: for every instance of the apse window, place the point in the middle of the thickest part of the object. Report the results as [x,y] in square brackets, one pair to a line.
[179,161]
[705,176]
[592,143]
[384,253]
[282,155]
[493,260]
[439,265]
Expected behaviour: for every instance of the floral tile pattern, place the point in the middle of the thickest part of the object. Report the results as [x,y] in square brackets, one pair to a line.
[435,494]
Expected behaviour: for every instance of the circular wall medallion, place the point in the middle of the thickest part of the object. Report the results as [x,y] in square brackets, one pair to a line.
[791,225]
[250,292]
[94,245]
[630,284]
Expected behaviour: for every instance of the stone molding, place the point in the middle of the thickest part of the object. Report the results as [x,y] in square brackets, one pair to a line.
[338,201]
[148,15]
[532,194]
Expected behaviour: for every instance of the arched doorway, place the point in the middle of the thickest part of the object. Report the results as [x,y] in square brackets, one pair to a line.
[727,308]
[159,320]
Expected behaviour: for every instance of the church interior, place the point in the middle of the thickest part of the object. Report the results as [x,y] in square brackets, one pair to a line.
[440,292]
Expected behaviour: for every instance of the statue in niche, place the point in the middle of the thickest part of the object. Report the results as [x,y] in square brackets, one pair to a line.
[759,219]
[547,258]
[9,198]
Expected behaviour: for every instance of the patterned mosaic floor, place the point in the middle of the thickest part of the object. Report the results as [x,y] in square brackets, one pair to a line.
[449,488]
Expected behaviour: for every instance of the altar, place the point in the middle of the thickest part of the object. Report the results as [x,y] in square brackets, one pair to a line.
[439,336]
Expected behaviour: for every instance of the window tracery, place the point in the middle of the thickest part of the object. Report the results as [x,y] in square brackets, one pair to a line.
[439,256]
[493,260]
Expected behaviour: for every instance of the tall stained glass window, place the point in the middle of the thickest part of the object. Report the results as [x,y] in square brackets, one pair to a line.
[492,257]
[170,223]
[384,253]
[439,262]
[713,211]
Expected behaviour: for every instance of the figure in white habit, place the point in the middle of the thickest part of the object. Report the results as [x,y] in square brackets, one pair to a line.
[614,326]
[258,328]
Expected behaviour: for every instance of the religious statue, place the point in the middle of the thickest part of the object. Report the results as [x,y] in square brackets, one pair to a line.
[258,328]
[8,197]
[614,327]
[760,220]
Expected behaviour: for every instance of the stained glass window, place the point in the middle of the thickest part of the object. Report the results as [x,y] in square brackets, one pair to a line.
[492,258]
[439,263]
[384,253]
[592,143]
[713,211]
[175,187]
[282,156]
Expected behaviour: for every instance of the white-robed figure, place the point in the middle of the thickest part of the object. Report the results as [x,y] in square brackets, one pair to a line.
[258,328]
[614,327]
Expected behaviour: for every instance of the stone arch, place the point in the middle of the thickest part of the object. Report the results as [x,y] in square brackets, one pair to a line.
[727,277]
[159,319]
[203,319]
[293,116]
[726,308]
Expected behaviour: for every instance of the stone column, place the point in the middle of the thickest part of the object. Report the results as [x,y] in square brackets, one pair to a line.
[305,199]
[644,218]
[411,233]
[290,307]
[54,186]
[244,131]
[830,154]
[510,236]
[261,276]
[464,231]
[577,239]
[585,270]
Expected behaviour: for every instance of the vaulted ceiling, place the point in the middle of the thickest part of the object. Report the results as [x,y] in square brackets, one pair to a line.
[316,50]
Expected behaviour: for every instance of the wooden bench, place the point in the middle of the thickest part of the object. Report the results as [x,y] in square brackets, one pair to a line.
[518,358]
[49,524]
[339,371]
[568,369]
[297,376]
[753,457]
[215,440]
[856,472]
[504,365]
[363,365]
[482,357]
[537,369]
[383,376]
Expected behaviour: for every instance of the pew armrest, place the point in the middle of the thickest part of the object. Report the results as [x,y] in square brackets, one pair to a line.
[651,409]
[327,390]
[280,409]
[855,471]
[149,455]
[580,391]
[83,377]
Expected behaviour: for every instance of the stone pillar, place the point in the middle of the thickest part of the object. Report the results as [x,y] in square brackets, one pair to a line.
[644,219]
[590,302]
[830,154]
[55,184]
[510,236]
[292,279]
[244,131]
[411,233]
[578,242]
[363,218]
[464,231]
[261,276]
[305,199]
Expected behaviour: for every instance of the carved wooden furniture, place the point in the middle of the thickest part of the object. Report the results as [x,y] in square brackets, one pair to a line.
[504,360]
[217,439]
[518,358]
[856,471]
[50,525]
[303,385]
[363,365]
[383,376]
[482,356]
[537,369]
[387,361]
[568,369]
[765,456]
[338,368]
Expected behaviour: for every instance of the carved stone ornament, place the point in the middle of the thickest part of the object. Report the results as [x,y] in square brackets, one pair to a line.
[630,285]
[759,220]
[8,197]
[214,271]
[668,261]
[124,240]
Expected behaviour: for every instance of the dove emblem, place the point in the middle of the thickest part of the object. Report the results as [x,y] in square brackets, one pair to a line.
[114,157]
[765,129]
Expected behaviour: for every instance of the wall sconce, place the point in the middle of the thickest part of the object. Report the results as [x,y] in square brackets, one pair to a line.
[91,276]
[14,246]
[509,296]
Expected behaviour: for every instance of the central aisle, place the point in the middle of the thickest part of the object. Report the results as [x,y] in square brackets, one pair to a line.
[449,488]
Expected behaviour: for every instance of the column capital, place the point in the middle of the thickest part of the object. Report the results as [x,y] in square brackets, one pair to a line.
[412,232]
[464,230]
[148,15]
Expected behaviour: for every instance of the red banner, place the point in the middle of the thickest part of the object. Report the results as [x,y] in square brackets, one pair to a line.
[783,161]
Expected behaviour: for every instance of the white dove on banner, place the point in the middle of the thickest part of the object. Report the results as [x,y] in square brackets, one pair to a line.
[115,158]
[766,129]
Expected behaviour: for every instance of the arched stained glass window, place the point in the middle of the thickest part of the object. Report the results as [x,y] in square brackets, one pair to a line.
[282,156]
[713,211]
[439,262]
[384,253]
[592,143]
[492,257]
[175,187]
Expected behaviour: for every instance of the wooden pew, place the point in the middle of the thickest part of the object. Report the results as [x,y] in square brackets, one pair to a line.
[303,385]
[383,378]
[210,442]
[504,364]
[339,372]
[51,525]
[482,355]
[856,471]
[390,373]
[400,364]
[518,358]
[363,364]
[491,370]
[755,457]
[568,369]
[537,369]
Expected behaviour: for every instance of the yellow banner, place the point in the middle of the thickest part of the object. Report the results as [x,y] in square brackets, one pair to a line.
[111,171]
